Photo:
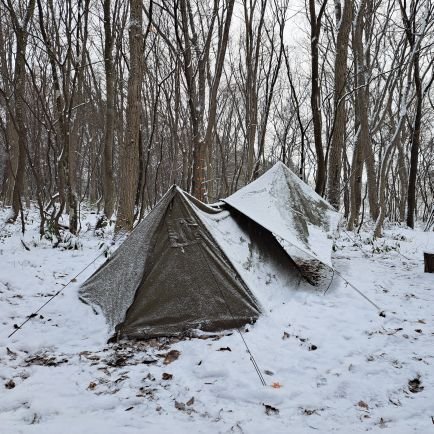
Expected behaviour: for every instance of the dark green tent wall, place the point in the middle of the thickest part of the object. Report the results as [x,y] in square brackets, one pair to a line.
[169,277]
[189,266]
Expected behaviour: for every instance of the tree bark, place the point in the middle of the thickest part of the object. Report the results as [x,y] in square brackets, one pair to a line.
[340,78]
[21,29]
[414,38]
[415,144]
[363,148]
[252,59]
[129,158]
[108,187]
[315,96]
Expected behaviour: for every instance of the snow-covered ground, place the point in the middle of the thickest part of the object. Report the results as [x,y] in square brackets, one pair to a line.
[331,363]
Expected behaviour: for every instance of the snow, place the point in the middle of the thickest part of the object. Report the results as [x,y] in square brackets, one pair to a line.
[269,280]
[340,366]
[291,210]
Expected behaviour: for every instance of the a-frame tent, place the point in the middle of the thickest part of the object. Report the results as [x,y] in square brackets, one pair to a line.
[302,221]
[191,266]
[170,276]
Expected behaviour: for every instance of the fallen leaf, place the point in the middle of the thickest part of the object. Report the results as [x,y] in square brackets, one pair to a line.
[415,385]
[122,378]
[10,384]
[166,376]
[92,385]
[309,412]
[118,361]
[363,404]
[190,401]
[44,360]
[276,386]
[179,405]
[171,356]
[269,409]
[88,355]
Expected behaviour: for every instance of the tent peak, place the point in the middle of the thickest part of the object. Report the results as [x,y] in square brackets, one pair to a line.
[291,210]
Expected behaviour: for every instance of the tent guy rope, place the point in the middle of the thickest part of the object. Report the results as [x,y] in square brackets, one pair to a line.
[252,358]
[73,279]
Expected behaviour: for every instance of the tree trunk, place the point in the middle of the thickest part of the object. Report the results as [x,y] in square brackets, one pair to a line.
[315,96]
[11,137]
[363,149]
[21,34]
[129,158]
[415,144]
[340,79]
[252,58]
[108,187]
[403,179]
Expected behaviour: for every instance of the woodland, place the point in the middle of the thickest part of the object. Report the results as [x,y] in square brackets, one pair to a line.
[107,103]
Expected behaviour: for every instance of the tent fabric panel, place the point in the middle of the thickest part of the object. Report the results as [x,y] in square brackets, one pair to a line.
[254,252]
[112,287]
[188,283]
[291,210]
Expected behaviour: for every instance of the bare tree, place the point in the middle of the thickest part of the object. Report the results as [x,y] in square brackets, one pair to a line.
[17,110]
[412,30]
[343,19]
[315,98]
[109,126]
[129,155]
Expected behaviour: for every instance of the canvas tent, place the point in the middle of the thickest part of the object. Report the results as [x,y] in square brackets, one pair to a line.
[192,266]
[282,203]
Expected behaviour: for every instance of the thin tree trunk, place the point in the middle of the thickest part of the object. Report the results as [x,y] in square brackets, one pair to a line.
[315,96]
[21,33]
[129,159]
[340,78]
[415,145]
[108,187]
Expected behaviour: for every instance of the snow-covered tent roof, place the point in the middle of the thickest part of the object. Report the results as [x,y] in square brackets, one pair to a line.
[301,220]
[189,266]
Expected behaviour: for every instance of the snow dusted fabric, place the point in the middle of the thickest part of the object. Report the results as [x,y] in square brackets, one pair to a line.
[169,277]
[301,220]
[255,253]
[192,266]
[113,286]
